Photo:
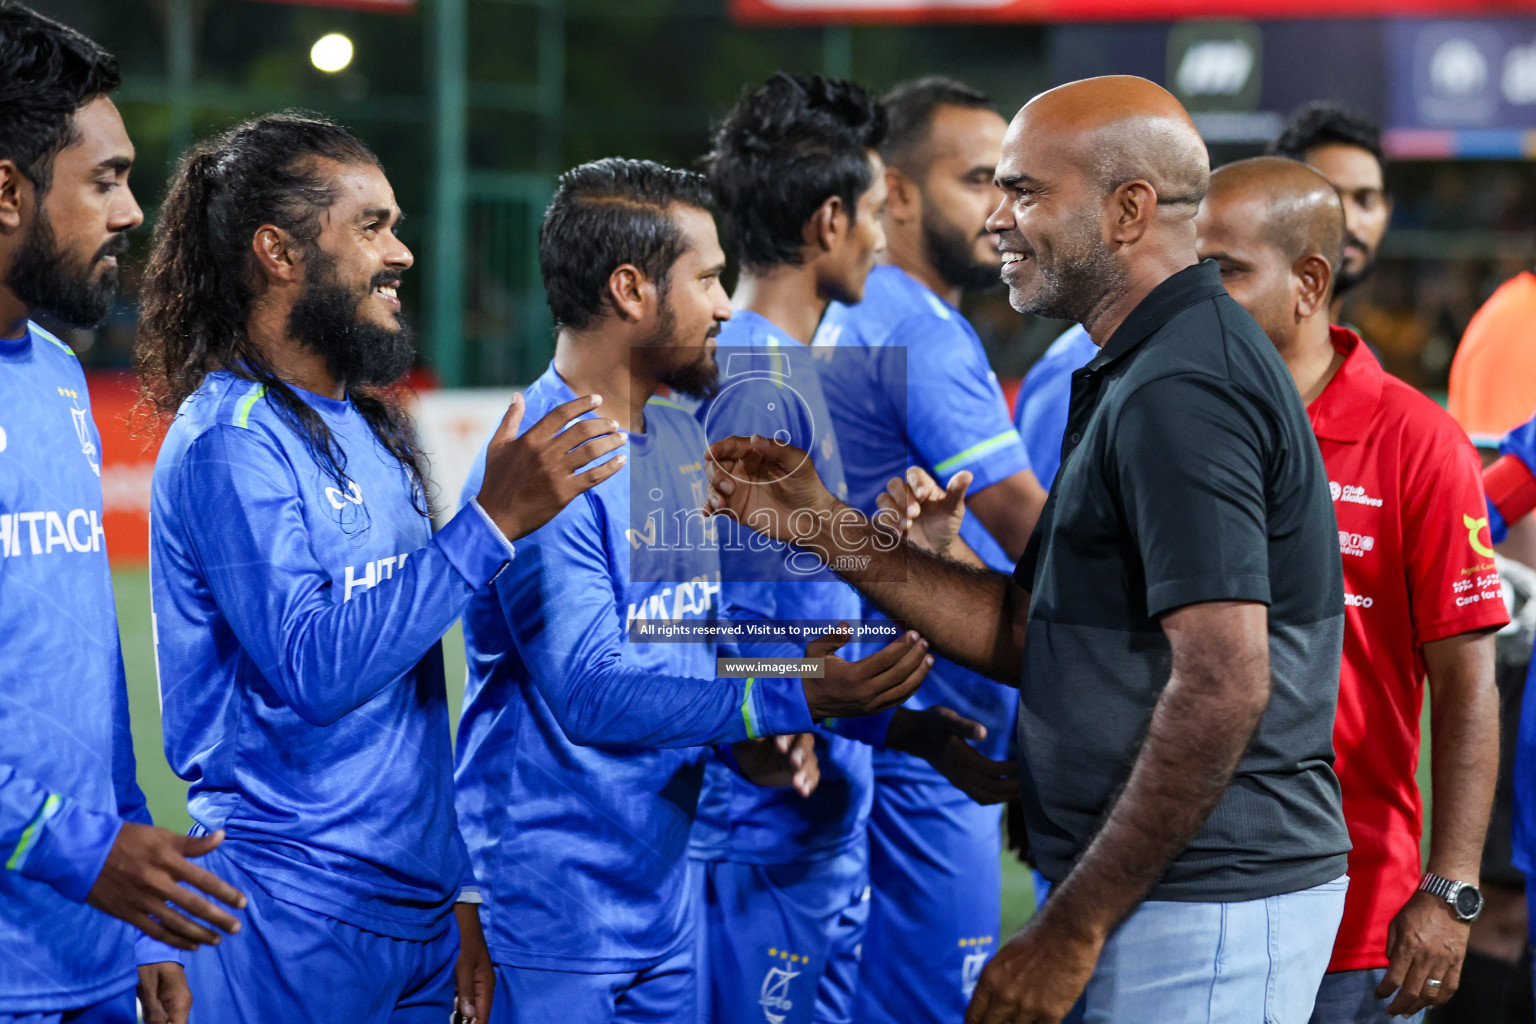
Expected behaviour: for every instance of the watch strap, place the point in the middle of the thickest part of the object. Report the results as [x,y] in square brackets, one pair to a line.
[1437,885]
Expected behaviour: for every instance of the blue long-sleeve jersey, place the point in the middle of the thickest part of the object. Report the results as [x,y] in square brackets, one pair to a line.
[770,385]
[66,754]
[908,384]
[581,752]
[298,628]
[1045,398]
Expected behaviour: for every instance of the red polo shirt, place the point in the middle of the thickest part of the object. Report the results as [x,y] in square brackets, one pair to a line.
[1418,567]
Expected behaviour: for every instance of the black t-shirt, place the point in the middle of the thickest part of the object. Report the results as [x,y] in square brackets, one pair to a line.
[1189,474]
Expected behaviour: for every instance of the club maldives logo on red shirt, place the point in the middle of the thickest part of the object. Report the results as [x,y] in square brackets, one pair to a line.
[1351,494]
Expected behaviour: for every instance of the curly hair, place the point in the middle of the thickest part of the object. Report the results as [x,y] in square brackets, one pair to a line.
[199,286]
[1323,122]
[783,149]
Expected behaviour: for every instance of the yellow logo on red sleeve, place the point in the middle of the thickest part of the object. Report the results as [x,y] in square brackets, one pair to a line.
[1474,527]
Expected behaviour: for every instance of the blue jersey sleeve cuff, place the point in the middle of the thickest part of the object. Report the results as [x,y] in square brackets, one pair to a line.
[869,730]
[989,461]
[775,707]
[474,545]
[148,951]
[66,846]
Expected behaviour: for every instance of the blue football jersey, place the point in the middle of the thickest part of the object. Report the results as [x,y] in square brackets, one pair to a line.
[908,384]
[298,628]
[66,755]
[1045,398]
[581,750]
[771,385]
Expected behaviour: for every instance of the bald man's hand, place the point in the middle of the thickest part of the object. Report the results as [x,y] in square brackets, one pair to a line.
[1038,975]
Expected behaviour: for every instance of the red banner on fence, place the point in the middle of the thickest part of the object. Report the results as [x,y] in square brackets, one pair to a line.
[822,12]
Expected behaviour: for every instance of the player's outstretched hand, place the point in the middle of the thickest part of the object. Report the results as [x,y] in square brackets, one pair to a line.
[1038,975]
[848,689]
[163,993]
[142,879]
[529,479]
[928,515]
[474,976]
[780,761]
[767,486]
[943,738]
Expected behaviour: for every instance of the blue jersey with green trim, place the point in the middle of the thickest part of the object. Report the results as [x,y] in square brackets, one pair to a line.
[908,384]
[298,628]
[581,750]
[770,385]
[66,754]
[1045,398]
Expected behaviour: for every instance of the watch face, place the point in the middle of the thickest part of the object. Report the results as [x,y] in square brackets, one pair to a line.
[1468,901]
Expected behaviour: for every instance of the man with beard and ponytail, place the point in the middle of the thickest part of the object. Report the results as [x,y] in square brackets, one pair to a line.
[909,385]
[1421,601]
[784,880]
[586,728]
[299,594]
[1177,616]
[76,843]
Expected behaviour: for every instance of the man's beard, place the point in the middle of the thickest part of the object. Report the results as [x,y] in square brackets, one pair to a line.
[698,378]
[45,278]
[1346,280]
[1082,270]
[327,319]
[954,256]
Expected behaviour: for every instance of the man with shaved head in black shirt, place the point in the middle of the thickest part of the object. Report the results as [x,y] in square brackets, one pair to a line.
[1177,616]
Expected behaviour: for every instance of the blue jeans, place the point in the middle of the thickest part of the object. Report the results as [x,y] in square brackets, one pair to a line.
[1349,997]
[1256,962]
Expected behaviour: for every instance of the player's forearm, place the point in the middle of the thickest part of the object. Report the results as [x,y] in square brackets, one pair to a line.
[967,613]
[47,837]
[1200,727]
[1464,751]
[618,706]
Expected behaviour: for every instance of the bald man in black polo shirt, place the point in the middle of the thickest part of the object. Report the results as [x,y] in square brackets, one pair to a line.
[1178,614]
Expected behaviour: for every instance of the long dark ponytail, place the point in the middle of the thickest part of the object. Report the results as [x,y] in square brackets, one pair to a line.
[197,291]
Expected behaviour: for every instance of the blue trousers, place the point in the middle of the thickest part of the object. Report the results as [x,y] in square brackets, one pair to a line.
[935,876]
[663,994]
[781,942]
[1349,997]
[291,964]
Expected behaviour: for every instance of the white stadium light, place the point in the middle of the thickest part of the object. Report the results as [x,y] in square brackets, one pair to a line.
[331,53]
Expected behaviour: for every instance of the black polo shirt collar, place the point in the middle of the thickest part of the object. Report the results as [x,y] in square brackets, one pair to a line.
[1189,286]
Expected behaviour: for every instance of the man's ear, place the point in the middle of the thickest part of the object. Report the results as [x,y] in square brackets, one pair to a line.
[1131,209]
[16,191]
[630,292]
[1314,279]
[277,254]
[904,200]
[827,226]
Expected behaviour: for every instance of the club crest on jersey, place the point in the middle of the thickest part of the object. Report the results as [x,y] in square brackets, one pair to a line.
[774,995]
[980,951]
[339,499]
[82,421]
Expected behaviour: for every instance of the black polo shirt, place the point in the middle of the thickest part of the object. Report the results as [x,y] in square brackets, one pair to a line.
[1189,473]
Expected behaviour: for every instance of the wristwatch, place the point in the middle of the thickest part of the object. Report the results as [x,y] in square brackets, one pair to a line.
[1465,899]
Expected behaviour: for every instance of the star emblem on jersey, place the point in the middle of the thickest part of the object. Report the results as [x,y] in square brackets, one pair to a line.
[979,952]
[82,421]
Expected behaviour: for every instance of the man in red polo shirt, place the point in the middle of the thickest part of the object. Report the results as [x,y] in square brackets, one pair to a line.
[1421,593]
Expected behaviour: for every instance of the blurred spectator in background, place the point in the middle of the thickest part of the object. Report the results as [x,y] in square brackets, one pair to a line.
[1345,147]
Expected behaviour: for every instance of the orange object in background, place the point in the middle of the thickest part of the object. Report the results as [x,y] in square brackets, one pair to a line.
[127,465]
[1493,376]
